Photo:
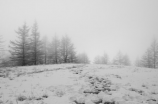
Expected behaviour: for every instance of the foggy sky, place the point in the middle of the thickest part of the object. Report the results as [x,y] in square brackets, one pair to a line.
[94,26]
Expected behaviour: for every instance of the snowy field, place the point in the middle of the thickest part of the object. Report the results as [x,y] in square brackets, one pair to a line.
[78,84]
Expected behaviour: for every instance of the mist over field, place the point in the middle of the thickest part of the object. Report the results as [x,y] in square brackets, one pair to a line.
[78,52]
[94,27]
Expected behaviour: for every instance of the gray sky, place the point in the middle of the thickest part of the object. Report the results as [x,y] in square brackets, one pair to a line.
[95,26]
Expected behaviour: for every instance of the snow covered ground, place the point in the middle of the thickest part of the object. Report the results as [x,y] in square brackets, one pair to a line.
[78,84]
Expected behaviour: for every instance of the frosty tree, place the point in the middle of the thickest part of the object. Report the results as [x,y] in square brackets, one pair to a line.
[1,47]
[126,60]
[98,60]
[101,59]
[146,59]
[138,62]
[118,60]
[154,53]
[35,46]
[67,50]
[20,47]
[121,59]
[45,49]
[150,58]
[54,50]
[105,59]
[72,54]
[83,58]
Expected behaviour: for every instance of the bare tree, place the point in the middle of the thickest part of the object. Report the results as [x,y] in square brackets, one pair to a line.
[19,48]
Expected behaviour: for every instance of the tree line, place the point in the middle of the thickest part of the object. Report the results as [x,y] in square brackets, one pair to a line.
[119,59]
[30,49]
[150,57]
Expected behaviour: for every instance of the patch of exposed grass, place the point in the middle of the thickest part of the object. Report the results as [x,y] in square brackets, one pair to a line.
[21,98]
[45,96]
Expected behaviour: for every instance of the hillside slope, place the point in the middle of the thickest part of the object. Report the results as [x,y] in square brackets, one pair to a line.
[78,84]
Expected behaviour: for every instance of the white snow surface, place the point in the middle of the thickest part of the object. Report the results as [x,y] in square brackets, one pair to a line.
[78,84]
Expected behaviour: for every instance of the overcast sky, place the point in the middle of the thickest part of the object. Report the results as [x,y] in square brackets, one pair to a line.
[94,26]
